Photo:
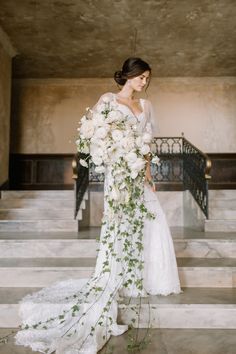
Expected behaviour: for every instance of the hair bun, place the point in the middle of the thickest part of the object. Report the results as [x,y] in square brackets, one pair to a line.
[118,77]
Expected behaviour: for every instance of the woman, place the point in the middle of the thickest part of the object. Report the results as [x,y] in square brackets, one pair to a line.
[136,255]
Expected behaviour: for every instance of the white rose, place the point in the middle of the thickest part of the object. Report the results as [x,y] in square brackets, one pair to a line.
[117,135]
[114,116]
[101,133]
[145,149]
[128,143]
[138,165]
[97,160]
[156,160]
[131,157]
[147,138]
[96,150]
[99,169]
[134,174]
[87,129]
[98,119]
[83,163]
[138,141]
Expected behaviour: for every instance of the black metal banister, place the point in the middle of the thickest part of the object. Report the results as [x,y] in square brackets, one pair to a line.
[81,181]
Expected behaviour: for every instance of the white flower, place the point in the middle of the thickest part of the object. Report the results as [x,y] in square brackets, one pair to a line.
[138,165]
[97,160]
[98,119]
[117,135]
[156,160]
[145,149]
[83,163]
[138,141]
[87,129]
[114,116]
[99,169]
[131,157]
[134,174]
[147,138]
[106,99]
[128,143]
[101,133]
[115,194]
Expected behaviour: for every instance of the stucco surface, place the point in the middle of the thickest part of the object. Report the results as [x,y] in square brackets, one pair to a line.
[5,88]
[46,112]
[91,38]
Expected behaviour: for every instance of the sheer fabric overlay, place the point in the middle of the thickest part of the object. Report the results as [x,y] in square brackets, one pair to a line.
[68,317]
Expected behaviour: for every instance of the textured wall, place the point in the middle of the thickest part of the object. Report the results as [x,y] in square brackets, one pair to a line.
[5,89]
[47,111]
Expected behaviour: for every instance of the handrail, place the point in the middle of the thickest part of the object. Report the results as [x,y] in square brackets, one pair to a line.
[81,181]
[196,173]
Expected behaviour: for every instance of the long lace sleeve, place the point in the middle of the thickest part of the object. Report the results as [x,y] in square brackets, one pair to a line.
[150,122]
[100,101]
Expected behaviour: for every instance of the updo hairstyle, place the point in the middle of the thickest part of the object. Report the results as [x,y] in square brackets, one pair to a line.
[132,67]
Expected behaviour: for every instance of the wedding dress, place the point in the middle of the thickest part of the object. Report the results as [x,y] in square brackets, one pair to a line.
[79,316]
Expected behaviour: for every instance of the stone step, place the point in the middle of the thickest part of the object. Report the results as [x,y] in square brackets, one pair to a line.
[219,214]
[36,214]
[220,225]
[222,194]
[32,203]
[39,272]
[79,248]
[222,204]
[194,308]
[44,194]
[40,225]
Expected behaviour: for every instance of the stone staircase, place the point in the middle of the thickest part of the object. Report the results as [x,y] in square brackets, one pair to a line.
[222,211]
[207,269]
[38,211]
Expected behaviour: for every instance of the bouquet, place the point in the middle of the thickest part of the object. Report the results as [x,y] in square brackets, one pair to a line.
[111,138]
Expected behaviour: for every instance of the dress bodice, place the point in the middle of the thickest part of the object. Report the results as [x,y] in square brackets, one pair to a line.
[126,110]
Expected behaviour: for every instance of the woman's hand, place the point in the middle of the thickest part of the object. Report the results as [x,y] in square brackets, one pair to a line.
[148,178]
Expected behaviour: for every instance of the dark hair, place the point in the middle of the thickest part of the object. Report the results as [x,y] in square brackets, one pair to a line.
[132,67]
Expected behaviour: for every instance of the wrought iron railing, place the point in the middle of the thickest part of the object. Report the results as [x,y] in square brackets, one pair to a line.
[81,181]
[180,162]
[196,173]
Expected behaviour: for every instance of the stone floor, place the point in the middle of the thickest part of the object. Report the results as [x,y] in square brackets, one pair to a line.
[165,341]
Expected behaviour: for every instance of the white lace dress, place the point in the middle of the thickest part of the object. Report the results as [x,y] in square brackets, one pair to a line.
[65,318]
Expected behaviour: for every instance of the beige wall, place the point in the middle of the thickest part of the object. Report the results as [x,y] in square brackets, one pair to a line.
[5,94]
[46,112]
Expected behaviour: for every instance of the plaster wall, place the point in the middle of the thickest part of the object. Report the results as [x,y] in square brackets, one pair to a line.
[5,94]
[46,112]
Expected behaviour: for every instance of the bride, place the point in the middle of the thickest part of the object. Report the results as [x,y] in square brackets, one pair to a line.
[136,255]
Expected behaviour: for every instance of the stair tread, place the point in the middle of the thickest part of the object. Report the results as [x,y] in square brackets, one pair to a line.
[90,262]
[189,296]
[93,232]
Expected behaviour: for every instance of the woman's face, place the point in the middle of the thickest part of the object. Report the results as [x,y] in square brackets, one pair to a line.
[139,82]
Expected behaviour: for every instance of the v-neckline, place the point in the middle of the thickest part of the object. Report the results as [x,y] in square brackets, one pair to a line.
[125,105]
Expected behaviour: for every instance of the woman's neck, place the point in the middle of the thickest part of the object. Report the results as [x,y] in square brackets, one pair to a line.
[126,93]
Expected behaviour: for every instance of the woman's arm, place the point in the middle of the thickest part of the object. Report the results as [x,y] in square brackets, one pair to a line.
[148,176]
